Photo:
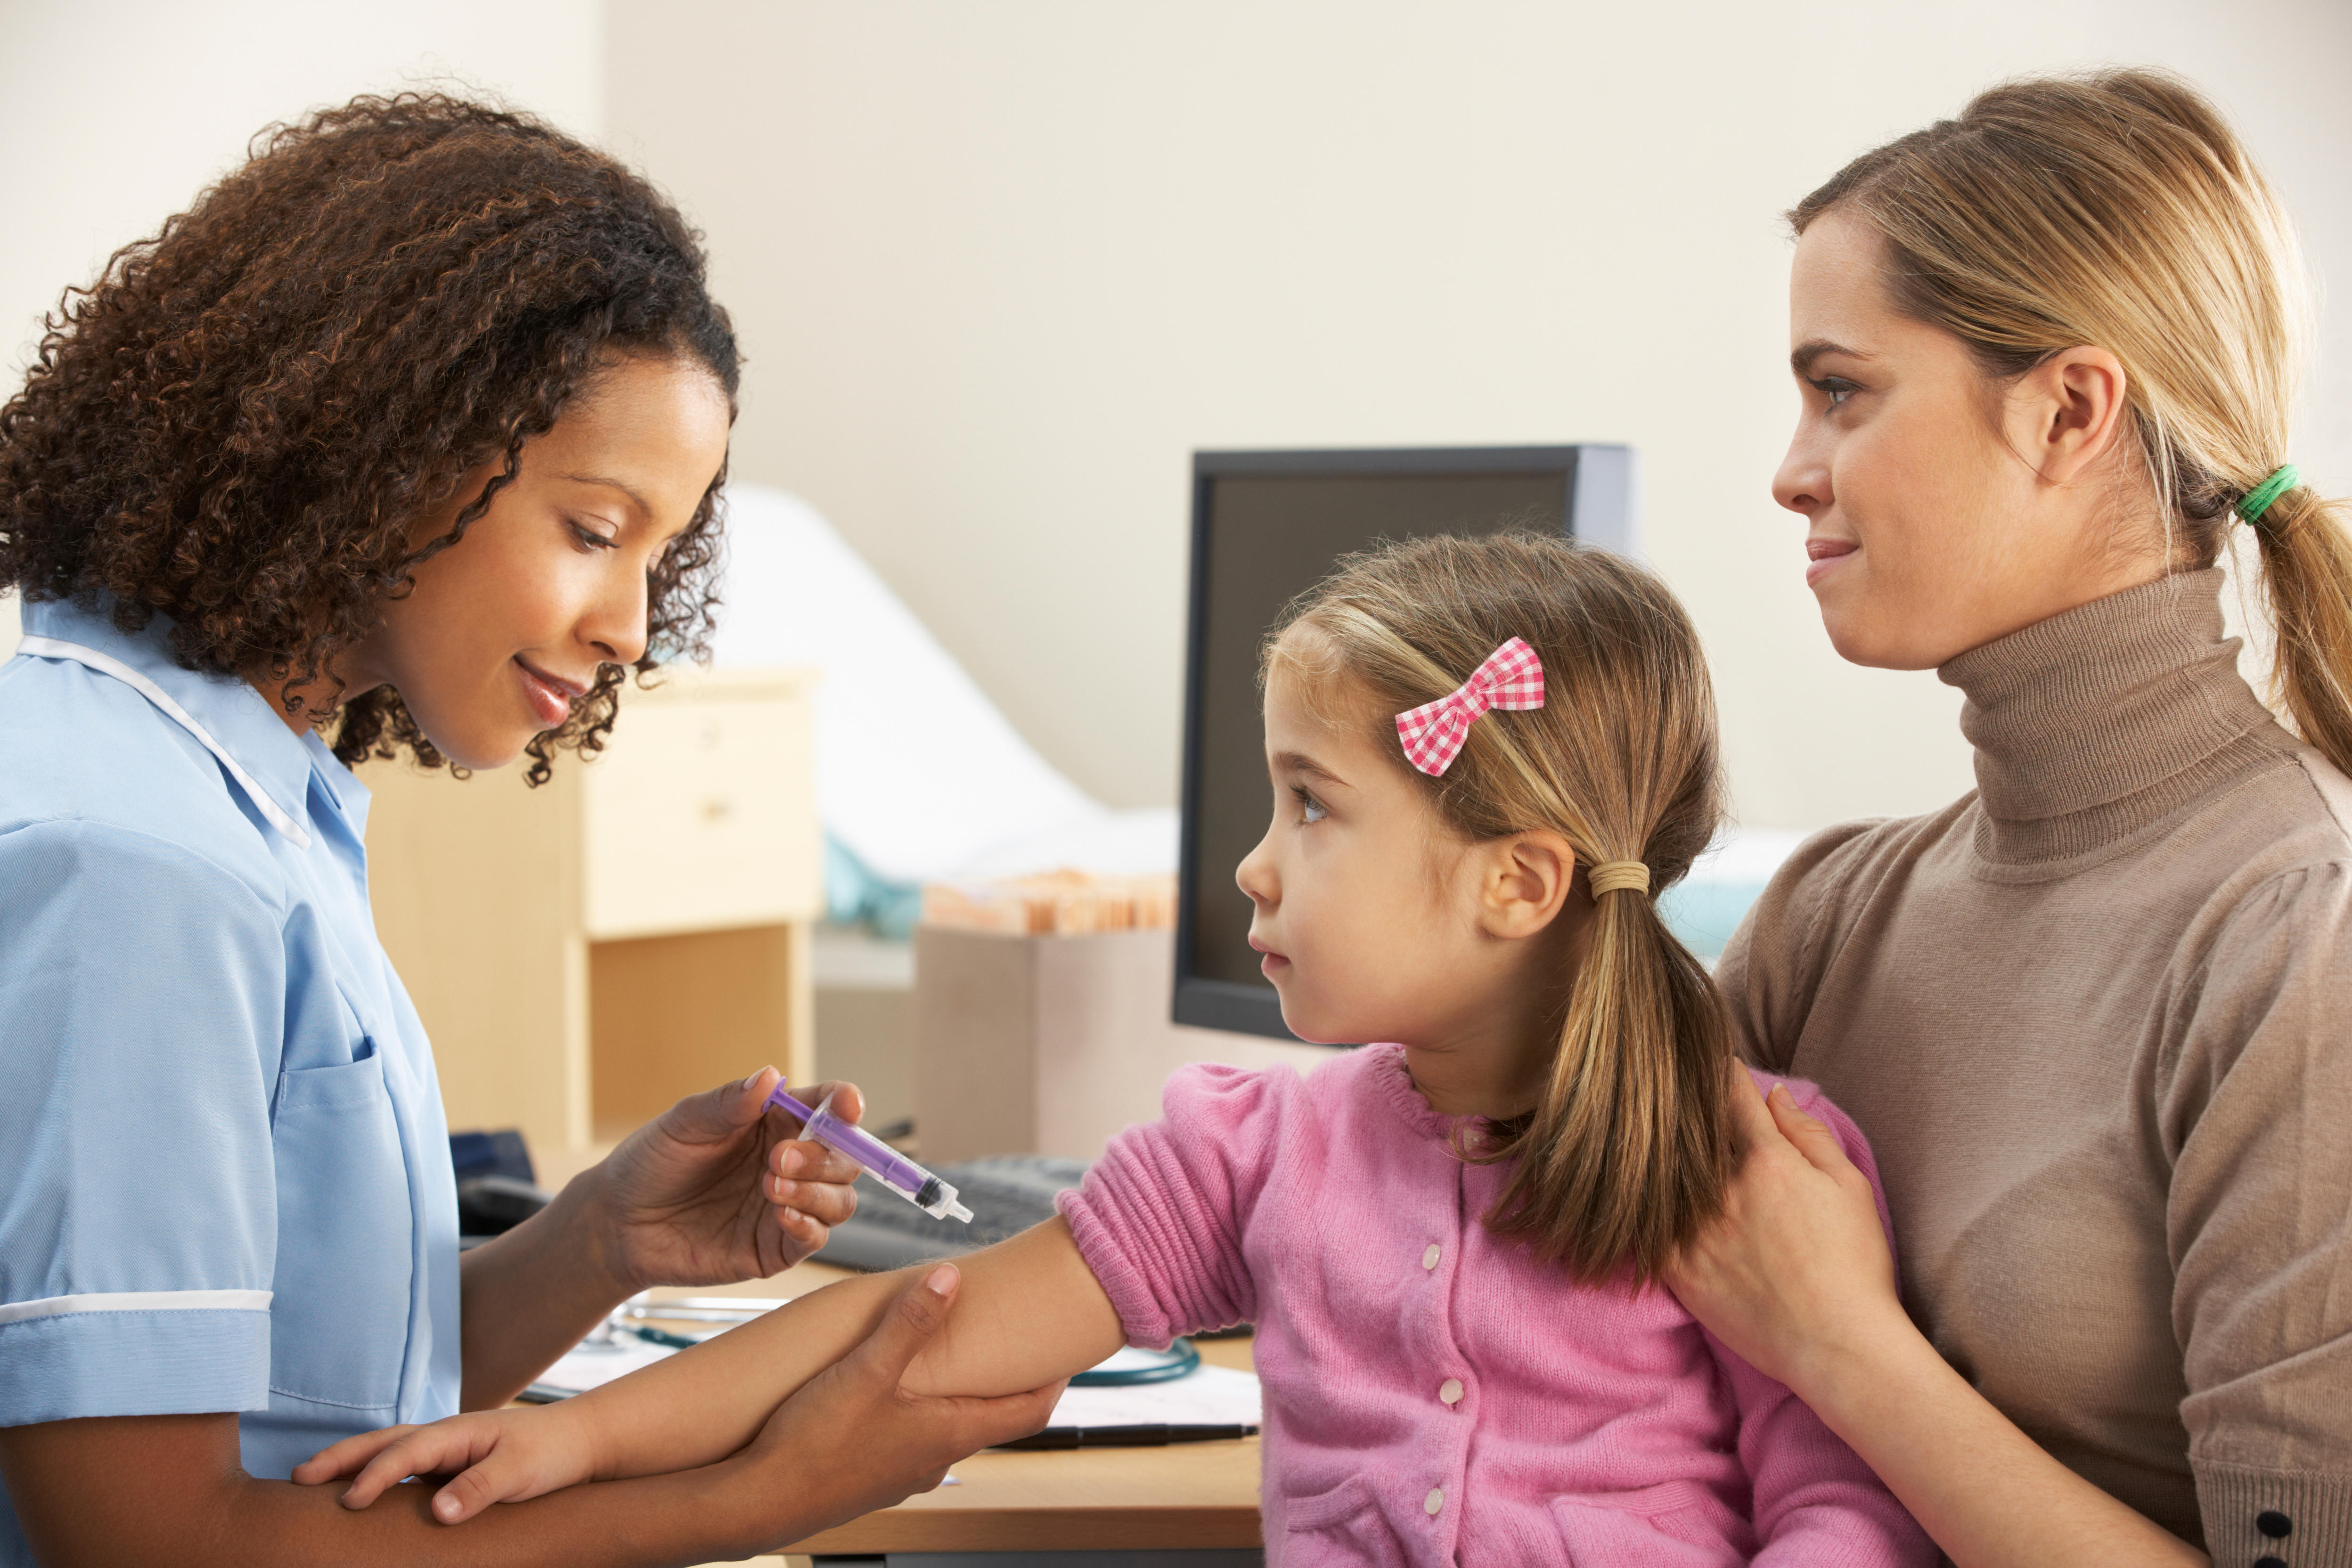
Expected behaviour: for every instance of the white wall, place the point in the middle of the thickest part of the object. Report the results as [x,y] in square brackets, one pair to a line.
[112,117]
[998,268]
[112,121]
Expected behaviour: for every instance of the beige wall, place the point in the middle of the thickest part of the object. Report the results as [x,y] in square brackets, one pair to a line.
[112,117]
[998,268]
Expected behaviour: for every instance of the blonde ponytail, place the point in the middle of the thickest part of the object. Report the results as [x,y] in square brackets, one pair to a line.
[2118,208]
[2307,584]
[1627,1151]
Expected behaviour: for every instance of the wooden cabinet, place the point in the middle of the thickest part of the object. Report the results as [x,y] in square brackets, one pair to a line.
[633,931]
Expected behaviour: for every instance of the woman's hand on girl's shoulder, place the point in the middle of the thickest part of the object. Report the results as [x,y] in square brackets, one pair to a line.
[1795,1273]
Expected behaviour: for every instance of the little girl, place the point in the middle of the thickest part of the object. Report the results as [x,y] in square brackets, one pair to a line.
[1449,1245]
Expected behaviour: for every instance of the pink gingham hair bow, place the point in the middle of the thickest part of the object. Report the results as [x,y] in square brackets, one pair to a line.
[1435,733]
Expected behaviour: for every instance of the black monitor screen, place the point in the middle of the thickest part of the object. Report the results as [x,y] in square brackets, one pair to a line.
[1267,526]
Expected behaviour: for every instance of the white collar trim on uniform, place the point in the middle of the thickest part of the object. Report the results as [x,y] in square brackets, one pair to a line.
[107,664]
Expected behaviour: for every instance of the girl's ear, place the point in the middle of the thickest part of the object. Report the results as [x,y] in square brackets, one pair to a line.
[1525,881]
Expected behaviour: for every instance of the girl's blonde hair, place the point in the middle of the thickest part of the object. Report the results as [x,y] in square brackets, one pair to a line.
[2118,209]
[1627,1150]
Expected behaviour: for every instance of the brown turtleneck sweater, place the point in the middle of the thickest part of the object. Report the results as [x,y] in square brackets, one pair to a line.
[2096,1020]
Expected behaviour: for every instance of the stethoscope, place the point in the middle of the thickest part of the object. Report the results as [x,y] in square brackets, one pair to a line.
[1131,1366]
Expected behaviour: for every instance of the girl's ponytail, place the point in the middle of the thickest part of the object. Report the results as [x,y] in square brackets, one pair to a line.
[1629,1148]
[2307,559]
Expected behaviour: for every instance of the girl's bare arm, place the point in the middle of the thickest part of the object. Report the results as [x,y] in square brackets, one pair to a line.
[1029,1313]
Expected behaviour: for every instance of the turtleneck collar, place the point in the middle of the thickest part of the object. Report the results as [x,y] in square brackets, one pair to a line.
[2097,723]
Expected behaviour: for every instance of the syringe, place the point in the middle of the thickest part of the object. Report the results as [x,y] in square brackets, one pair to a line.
[881,1161]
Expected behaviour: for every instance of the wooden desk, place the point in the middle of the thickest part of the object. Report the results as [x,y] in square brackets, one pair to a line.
[1195,1495]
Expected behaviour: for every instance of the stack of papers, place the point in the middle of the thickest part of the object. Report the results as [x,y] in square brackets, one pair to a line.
[589,1364]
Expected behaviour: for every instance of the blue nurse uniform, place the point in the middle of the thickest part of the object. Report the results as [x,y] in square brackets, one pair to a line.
[225,1179]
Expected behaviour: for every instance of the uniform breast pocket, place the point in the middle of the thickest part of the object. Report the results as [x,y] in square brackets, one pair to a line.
[339,1319]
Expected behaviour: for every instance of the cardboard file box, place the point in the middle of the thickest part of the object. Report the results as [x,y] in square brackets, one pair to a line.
[1052,1043]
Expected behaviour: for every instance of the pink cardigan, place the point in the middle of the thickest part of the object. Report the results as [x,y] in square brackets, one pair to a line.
[1433,1394]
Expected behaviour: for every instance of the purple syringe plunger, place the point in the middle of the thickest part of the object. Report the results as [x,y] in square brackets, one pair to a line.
[881,1161]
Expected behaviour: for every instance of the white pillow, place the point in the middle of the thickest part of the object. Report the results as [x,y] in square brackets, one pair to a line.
[918,775]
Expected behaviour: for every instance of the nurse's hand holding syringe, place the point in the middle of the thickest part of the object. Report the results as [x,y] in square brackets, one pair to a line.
[722,1186]
[881,1161]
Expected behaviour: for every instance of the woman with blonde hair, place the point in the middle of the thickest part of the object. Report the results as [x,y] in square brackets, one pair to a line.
[2090,1016]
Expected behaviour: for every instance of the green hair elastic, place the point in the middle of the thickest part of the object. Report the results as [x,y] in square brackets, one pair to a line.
[2258,499]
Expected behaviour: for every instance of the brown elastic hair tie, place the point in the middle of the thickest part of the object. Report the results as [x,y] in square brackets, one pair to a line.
[1620,876]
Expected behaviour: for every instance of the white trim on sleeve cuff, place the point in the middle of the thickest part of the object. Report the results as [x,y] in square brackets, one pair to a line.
[137,1301]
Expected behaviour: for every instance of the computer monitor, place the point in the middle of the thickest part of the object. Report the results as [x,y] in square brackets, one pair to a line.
[1265,527]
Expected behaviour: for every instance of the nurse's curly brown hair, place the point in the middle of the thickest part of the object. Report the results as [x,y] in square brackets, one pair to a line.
[242,422]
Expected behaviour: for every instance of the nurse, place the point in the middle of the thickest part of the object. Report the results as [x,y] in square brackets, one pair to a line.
[406,439]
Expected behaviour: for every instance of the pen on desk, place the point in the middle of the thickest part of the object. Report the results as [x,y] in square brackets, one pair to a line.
[1150,1435]
[663,1337]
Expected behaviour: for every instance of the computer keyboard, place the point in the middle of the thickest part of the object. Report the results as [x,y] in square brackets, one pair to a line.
[1007,1194]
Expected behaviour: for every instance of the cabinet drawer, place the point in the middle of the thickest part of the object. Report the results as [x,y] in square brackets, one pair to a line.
[702,814]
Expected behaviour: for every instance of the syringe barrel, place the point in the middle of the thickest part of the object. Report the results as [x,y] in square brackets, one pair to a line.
[885,1164]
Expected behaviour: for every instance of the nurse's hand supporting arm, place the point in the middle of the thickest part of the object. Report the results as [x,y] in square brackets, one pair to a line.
[1795,1276]
[170,1488]
[714,1191]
